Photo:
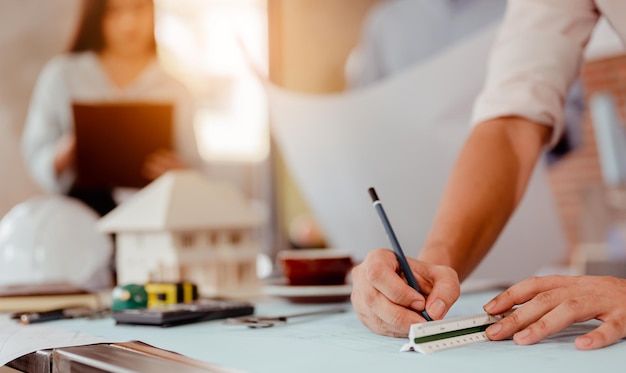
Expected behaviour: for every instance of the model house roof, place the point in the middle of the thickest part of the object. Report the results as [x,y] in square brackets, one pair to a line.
[180,201]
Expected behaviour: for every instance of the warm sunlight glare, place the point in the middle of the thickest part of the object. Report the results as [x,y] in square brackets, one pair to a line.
[209,45]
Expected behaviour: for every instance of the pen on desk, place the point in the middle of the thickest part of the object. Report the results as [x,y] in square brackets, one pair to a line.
[55,314]
[258,322]
[35,317]
[404,265]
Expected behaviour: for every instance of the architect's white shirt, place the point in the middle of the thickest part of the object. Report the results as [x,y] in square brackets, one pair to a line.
[537,56]
[80,77]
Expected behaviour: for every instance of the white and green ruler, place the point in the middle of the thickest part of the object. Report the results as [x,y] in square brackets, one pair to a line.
[432,336]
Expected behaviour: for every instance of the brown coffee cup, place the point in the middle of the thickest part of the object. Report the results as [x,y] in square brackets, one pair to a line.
[309,267]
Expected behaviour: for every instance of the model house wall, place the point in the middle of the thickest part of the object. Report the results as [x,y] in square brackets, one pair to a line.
[184,227]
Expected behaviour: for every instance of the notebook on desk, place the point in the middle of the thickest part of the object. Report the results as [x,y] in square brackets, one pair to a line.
[114,139]
[41,297]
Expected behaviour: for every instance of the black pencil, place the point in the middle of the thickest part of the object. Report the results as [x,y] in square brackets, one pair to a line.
[404,265]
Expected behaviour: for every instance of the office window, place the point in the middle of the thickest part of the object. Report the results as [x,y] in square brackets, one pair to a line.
[200,43]
[209,44]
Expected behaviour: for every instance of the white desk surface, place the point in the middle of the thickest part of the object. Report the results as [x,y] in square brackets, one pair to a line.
[340,343]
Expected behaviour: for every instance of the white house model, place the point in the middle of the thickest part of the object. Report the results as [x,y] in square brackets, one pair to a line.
[184,227]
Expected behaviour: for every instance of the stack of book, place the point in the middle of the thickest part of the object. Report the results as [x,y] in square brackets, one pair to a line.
[42,297]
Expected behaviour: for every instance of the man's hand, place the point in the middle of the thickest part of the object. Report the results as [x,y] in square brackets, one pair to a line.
[160,162]
[386,304]
[552,303]
[65,154]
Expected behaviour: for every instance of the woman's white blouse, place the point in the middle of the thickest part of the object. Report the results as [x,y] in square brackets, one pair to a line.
[80,77]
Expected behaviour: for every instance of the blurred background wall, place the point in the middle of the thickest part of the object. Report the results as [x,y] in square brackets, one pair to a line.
[309,41]
[32,32]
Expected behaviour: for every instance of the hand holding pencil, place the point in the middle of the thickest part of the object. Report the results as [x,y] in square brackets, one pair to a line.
[385,302]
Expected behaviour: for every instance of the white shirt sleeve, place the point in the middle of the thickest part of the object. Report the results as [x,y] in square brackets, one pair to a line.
[536,57]
[44,128]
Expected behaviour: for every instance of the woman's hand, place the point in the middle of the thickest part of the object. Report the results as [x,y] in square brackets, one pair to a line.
[65,154]
[160,162]
[386,304]
[552,303]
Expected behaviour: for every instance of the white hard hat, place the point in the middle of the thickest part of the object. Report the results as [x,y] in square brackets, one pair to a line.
[53,239]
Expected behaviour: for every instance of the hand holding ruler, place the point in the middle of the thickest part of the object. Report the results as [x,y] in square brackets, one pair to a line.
[440,335]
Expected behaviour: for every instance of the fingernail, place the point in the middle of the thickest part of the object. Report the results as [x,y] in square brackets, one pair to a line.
[490,306]
[418,305]
[437,309]
[494,329]
[522,335]
[583,342]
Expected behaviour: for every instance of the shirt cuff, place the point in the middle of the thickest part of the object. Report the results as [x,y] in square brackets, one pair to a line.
[46,176]
[530,101]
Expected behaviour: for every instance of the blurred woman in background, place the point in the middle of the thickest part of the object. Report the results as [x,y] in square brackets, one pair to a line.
[112,59]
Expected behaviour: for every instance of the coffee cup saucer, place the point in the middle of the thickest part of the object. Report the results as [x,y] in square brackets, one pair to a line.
[307,293]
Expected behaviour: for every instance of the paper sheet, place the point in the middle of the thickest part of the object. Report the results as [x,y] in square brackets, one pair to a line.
[340,343]
[402,137]
[17,340]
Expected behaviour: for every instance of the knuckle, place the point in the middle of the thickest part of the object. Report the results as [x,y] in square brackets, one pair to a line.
[374,324]
[361,297]
[363,317]
[374,273]
[448,272]
[586,280]
[397,321]
[615,324]
[397,296]
[379,324]
[545,298]
[513,319]
[369,298]
[402,296]
[508,293]
[451,271]
[572,305]
[612,282]
[590,282]
[540,326]
[377,253]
